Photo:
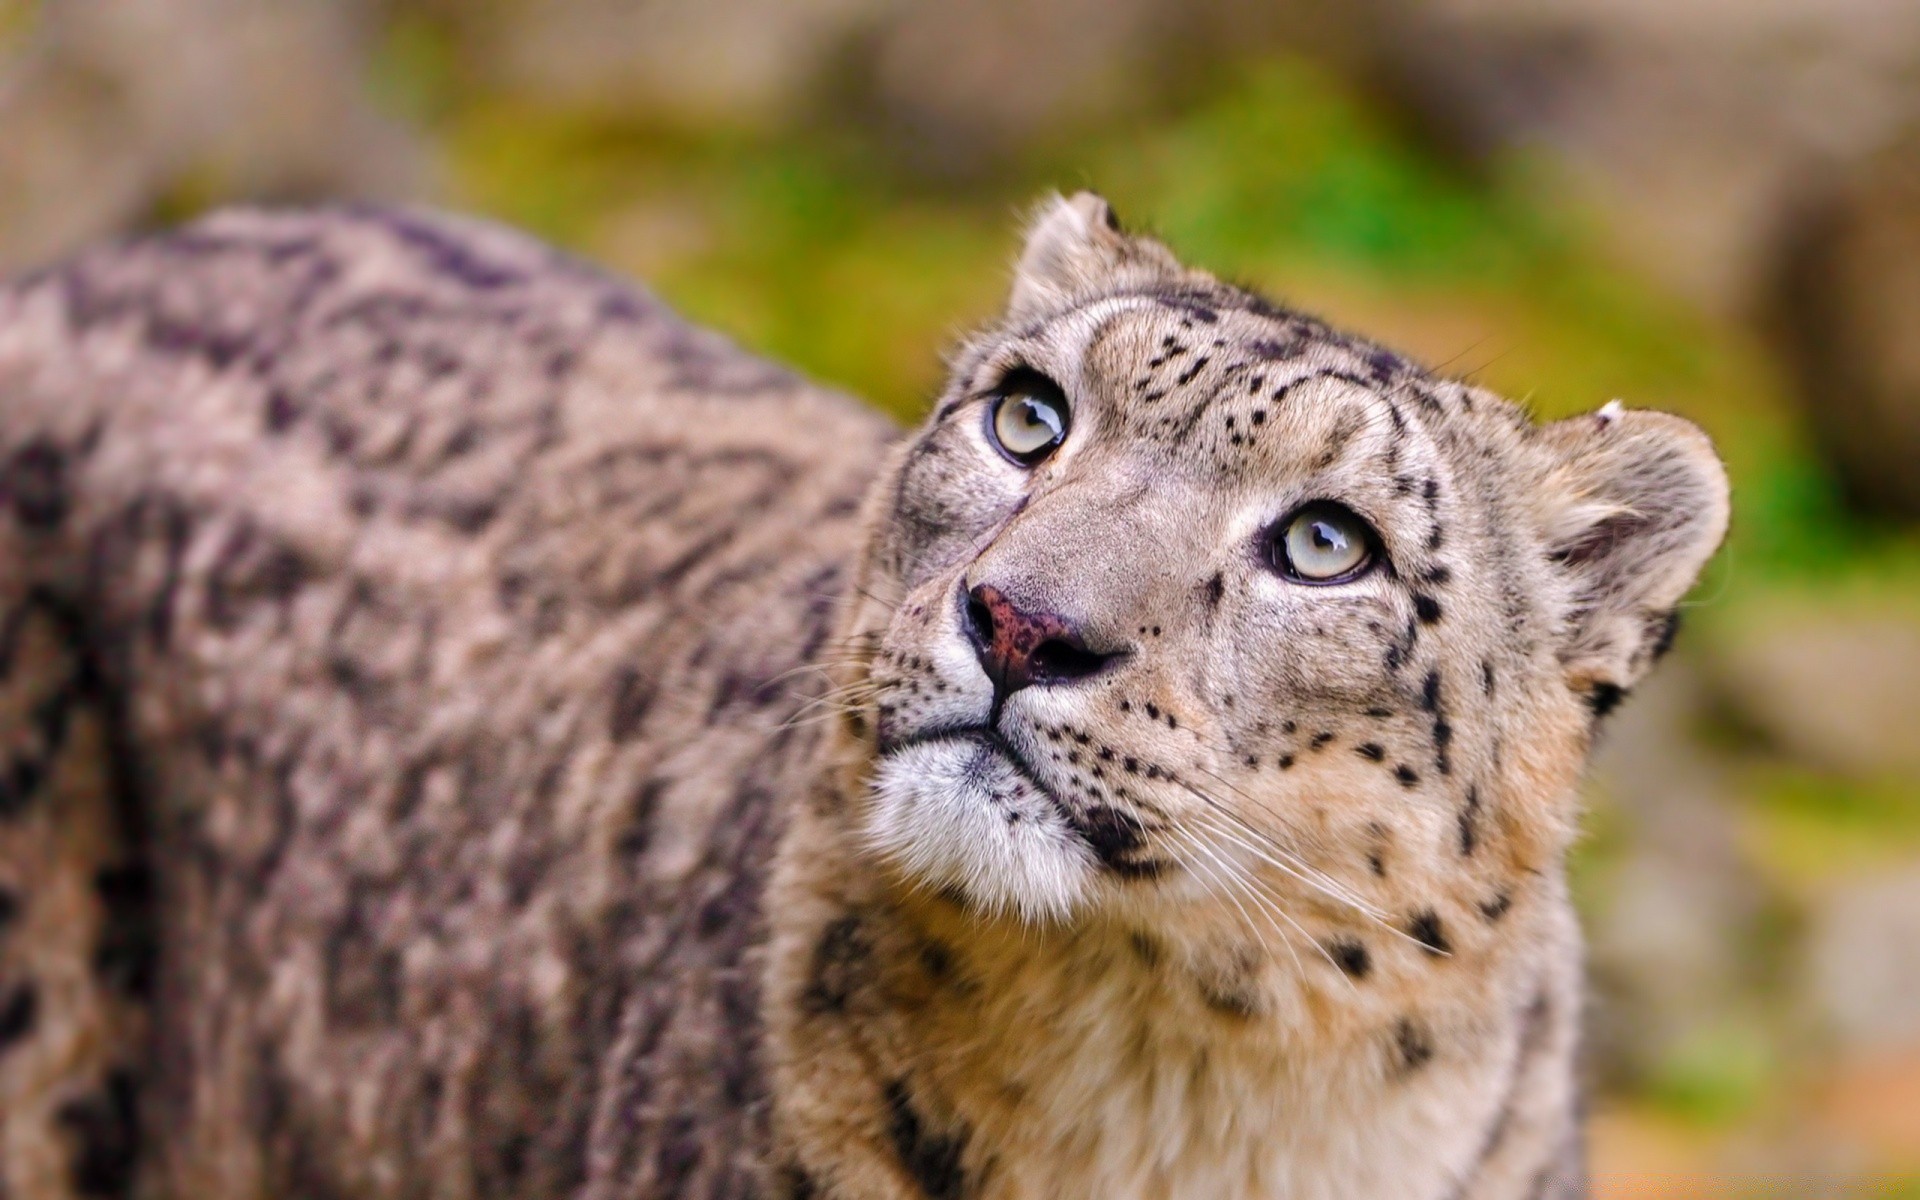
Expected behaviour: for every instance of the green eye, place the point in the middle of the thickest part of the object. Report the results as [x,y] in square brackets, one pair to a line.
[1323,542]
[1029,417]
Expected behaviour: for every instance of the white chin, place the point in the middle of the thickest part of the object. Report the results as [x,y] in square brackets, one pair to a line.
[956,813]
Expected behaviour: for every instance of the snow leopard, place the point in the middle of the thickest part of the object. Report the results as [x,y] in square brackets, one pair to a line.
[466,731]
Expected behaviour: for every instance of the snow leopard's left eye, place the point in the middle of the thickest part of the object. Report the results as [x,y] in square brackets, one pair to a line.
[1028,419]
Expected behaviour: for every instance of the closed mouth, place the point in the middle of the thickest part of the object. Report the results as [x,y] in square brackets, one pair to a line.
[987,738]
[1112,835]
[983,735]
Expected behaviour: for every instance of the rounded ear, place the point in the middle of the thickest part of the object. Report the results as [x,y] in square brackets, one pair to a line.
[1075,246]
[1635,503]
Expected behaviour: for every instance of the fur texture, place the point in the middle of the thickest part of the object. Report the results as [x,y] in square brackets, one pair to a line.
[464,732]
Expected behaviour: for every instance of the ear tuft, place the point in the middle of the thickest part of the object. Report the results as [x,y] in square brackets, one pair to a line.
[1075,246]
[1635,504]
[1071,243]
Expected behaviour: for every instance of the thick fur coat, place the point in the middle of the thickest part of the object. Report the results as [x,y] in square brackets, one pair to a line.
[464,732]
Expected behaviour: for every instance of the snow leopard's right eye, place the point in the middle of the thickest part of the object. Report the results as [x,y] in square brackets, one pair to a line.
[1323,542]
[1028,418]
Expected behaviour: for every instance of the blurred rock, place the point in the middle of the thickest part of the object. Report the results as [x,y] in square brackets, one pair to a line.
[739,63]
[961,87]
[1667,940]
[1689,127]
[1847,311]
[108,108]
[1835,688]
[959,83]
[1863,954]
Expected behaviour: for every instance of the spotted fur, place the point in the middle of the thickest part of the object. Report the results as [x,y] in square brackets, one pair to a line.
[465,732]
[404,636]
[1351,969]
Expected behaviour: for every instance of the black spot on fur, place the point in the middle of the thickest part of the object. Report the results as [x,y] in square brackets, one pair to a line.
[1187,376]
[642,811]
[1415,1045]
[448,255]
[1470,822]
[363,979]
[1427,930]
[936,959]
[1667,629]
[19,1011]
[9,908]
[282,411]
[1216,588]
[106,1136]
[796,1184]
[128,947]
[933,1160]
[1430,692]
[1371,751]
[678,1154]
[34,484]
[1228,1000]
[839,960]
[1604,698]
[1497,907]
[1427,607]
[1352,957]
[1407,776]
[633,695]
[18,786]
[1114,836]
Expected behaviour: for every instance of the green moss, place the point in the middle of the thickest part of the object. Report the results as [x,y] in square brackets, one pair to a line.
[19,19]
[1724,1072]
[1805,829]
[415,70]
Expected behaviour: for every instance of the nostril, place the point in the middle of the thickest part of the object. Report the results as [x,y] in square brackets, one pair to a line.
[1018,649]
[979,620]
[1062,661]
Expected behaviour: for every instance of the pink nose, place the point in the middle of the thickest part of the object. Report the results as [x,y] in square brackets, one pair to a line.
[1020,649]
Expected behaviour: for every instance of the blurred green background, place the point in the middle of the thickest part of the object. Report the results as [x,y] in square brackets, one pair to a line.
[1701,205]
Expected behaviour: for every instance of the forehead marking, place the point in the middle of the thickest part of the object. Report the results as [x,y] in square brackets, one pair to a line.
[1190,308]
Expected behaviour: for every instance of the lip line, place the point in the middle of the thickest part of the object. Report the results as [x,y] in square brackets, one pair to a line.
[998,741]
[980,733]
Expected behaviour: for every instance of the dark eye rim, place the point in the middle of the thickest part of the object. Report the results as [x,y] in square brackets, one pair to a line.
[1281,562]
[1026,380]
